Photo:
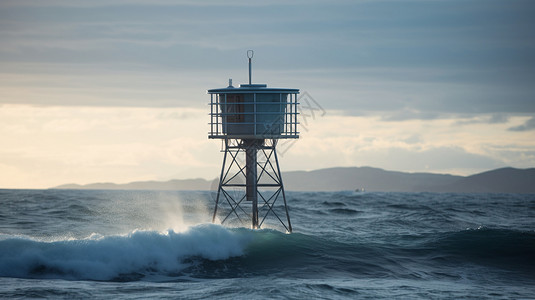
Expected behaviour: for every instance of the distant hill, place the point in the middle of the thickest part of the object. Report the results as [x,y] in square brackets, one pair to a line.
[370,179]
[175,184]
[505,180]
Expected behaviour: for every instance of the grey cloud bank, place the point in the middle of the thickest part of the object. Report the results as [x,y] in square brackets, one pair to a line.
[430,57]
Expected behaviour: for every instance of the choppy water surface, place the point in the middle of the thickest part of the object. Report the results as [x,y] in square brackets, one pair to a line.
[152,244]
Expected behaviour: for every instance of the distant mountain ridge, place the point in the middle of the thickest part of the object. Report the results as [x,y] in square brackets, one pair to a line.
[175,184]
[504,180]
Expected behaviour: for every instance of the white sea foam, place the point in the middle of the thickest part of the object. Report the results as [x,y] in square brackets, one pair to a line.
[105,258]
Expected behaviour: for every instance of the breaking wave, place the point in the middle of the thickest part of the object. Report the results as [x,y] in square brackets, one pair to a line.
[119,257]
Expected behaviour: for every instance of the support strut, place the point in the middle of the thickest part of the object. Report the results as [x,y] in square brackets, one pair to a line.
[262,188]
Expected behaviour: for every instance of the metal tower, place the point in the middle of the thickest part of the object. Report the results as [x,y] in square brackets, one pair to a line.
[250,120]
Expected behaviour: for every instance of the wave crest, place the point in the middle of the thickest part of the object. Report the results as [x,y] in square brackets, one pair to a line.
[512,249]
[112,257]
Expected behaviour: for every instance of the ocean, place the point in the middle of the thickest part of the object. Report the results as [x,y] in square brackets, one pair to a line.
[345,245]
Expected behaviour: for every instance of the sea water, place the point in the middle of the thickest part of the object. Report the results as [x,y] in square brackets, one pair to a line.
[154,244]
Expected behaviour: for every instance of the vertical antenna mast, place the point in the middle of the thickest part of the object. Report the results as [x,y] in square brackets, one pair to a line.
[250,54]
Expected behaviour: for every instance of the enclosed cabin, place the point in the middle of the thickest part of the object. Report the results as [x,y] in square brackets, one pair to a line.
[253,111]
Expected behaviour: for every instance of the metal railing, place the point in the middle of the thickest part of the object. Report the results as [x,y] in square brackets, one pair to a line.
[231,119]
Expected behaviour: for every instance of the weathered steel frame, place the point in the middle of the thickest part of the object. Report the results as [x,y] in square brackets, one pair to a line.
[269,168]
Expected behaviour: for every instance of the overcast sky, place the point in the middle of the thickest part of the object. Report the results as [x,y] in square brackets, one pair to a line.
[115,91]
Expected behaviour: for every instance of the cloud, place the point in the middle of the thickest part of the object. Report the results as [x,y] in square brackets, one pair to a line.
[51,145]
[435,145]
[441,159]
[413,139]
[483,119]
[414,60]
[410,114]
[47,146]
[527,126]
